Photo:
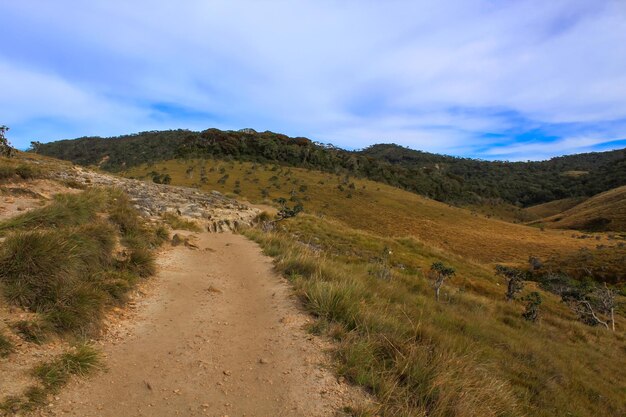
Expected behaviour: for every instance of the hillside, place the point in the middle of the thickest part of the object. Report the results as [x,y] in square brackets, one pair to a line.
[552,208]
[603,212]
[358,260]
[370,206]
[448,179]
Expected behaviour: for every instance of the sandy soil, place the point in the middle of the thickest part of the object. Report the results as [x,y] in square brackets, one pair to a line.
[21,196]
[219,334]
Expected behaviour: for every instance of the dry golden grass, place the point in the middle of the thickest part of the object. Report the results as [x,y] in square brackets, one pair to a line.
[375,207]
[502,211]
[610,205]
[552,208]
[472,354]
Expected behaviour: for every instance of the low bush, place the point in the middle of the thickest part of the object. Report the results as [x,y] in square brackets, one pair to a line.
[21,171]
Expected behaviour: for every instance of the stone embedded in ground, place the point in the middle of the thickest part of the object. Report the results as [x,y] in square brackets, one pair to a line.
[216,212]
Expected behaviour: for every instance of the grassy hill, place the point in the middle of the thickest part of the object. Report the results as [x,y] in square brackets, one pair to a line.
[552,208]
[449,179]
[371,206]
[359,259]
[471,354]
[603,212]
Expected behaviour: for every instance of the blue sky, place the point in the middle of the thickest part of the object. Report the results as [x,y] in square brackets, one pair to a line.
[494,79]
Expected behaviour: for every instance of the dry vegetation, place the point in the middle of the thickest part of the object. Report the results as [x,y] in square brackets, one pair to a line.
[603,212]
[371,206]
[552,208]
[62,266]
[358,260]
[472,353]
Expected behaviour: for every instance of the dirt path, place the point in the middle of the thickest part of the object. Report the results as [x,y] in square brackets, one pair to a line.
[219,335]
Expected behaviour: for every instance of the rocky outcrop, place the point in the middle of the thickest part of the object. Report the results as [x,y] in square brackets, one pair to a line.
[213,210]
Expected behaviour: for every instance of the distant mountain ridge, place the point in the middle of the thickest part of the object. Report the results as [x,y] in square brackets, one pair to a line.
[444,178]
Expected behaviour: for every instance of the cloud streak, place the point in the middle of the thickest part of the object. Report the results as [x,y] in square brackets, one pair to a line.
[506,80]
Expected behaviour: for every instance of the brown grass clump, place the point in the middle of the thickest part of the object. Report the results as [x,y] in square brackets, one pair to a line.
[6,346]
[178,223]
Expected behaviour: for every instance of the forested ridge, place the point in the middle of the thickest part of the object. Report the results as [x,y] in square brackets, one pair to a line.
[444,178]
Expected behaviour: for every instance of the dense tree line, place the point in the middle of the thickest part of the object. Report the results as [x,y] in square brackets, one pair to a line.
[444,178]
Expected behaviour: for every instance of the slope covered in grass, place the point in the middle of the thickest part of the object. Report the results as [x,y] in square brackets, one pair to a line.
[61,261]
[602,212]
[552,208]
[444,178]
[358,259]
[62,266]
[471,354]
[370,206]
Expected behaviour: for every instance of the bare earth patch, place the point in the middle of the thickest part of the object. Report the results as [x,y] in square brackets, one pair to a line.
[22,196]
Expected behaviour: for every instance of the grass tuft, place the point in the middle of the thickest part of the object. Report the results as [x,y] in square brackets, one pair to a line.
[6,346]
[82,361]
[142,262]
[31,331]
[178,223]
[66,210]
[21,171]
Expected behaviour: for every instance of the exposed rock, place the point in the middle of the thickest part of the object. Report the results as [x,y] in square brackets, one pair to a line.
[217,212]
[177,240]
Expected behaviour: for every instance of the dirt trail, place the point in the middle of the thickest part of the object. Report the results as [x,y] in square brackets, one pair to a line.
[219,335]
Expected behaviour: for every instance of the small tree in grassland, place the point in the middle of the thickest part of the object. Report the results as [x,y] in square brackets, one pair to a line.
[592,306]
[438,273]
[606,298]
[384,267]
[514,278]
[5,146]
[533,301]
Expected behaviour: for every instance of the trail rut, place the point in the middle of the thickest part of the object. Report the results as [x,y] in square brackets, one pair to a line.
[218,335]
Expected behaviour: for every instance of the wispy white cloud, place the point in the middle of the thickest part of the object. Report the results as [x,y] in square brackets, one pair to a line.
[474,77]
